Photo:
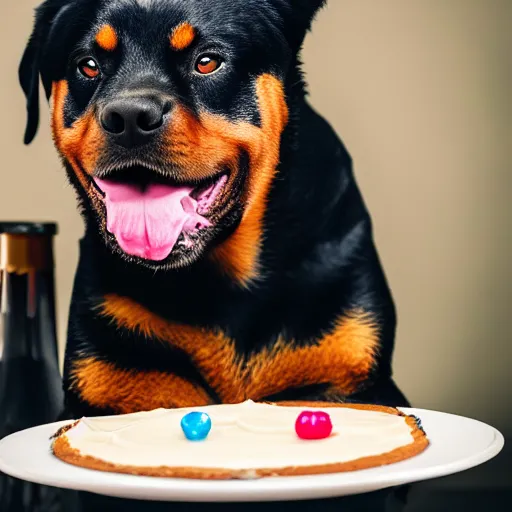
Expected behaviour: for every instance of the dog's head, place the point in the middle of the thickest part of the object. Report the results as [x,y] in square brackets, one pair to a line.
[168,115]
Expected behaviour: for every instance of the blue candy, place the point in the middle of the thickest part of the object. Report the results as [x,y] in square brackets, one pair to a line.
[196,426]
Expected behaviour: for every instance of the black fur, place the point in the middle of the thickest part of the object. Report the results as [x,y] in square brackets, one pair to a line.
[319,256]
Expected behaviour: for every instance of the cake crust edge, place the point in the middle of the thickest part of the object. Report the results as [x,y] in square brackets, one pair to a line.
[65,452]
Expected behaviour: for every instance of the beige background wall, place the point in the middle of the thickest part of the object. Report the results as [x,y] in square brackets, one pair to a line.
[419,90]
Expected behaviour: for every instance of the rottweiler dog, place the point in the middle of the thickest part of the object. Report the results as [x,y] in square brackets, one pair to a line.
[228,254]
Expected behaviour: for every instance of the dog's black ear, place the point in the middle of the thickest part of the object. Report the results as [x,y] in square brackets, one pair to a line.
[298,16]
[307,9]
[30,66]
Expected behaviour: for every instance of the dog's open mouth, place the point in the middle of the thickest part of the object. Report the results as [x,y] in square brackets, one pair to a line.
[149,215]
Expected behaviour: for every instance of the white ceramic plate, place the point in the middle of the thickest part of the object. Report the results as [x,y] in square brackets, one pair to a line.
[457,444]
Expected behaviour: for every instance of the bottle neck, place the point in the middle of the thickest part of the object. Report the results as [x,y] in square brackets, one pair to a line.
[27,297]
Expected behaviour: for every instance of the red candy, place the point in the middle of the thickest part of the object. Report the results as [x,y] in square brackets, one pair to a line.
[313,425]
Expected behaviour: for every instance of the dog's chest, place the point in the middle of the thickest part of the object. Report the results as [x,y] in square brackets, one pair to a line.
[341,358]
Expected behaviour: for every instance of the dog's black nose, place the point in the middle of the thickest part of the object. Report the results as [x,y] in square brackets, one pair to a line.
[133,121]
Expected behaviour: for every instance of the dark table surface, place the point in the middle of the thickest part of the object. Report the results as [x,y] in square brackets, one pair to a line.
[415,498]
[418,498]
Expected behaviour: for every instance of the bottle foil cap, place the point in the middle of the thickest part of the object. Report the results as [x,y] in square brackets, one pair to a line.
[26,246]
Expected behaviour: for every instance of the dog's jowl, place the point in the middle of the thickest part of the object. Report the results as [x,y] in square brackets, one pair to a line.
[228,254]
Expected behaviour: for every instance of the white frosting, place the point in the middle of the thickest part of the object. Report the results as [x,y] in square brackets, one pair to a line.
[246,436]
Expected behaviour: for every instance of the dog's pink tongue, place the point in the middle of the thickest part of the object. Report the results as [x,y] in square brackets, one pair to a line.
[148,223]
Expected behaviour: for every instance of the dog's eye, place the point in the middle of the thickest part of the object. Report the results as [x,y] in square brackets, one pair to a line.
[89,68]
[207,64]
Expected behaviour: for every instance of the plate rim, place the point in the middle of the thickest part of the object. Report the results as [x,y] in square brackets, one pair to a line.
[266,489]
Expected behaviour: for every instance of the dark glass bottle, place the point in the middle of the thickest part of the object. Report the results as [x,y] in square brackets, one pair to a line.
[30,382]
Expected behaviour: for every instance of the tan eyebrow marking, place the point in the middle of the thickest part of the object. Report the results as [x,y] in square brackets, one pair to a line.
[107,38]
[182,36]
